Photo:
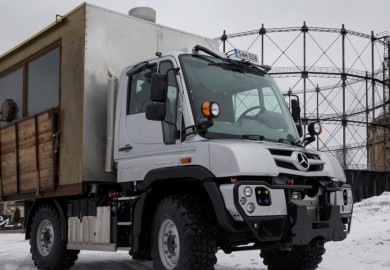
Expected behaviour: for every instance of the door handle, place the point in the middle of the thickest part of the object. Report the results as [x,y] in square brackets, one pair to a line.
[126,148]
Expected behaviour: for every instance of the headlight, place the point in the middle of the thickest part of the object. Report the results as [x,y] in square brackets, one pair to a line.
[263,197]
[248,191]
[250,207]
[210,109]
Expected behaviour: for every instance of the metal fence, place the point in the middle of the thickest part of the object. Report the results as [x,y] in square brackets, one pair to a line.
[366,184]
[342,79]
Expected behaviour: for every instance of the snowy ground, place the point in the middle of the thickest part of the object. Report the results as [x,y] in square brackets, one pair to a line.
[366,248]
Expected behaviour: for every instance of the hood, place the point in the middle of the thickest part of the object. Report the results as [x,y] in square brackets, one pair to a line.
[239,158]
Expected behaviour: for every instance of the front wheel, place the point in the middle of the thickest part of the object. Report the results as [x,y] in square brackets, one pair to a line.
[47,248]
[306,257]
[182,238]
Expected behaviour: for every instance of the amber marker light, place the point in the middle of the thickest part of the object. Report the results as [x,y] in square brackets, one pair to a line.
[185,160]
[210,109]
[206,109]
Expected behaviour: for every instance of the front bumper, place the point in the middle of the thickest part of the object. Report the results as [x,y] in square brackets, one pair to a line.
[284,221]
[303,230]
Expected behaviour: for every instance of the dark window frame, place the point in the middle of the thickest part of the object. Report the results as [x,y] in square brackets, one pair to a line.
[129,96]
[39,97]
[129,89]
[14,93]
[24,65]
[175,105]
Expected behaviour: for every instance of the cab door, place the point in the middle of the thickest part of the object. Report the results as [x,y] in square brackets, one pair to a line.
[144,145]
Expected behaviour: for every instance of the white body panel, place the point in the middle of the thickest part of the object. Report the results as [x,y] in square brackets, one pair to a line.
[114,41]
[235,158]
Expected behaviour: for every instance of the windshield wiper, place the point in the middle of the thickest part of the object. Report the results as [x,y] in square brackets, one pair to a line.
[282,140]
[287,141]
[253,137]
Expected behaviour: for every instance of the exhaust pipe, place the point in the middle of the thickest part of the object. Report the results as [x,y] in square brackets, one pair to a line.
[111,101]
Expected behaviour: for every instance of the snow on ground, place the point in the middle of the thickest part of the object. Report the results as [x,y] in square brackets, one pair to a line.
[368,244]
[366,248]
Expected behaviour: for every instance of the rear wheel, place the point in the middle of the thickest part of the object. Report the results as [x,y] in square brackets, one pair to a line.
[46,245]
[182,238]
[306,257]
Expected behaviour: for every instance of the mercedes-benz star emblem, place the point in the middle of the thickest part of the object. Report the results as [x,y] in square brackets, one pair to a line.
[303,161]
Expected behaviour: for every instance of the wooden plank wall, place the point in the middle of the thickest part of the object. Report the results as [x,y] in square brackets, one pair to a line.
[27,158]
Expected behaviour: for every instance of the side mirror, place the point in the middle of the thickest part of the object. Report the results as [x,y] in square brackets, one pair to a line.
[159,87]
[158,94]
[300,130]
[155,112]
[295,110]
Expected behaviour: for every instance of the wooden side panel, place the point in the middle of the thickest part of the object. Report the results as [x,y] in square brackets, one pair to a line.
[8,160]
[27,165]
[27,156]
[46,152]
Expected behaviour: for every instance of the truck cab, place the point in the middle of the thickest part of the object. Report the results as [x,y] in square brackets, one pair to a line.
[198,131]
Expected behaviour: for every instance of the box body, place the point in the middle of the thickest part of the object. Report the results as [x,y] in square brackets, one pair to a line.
[86,42]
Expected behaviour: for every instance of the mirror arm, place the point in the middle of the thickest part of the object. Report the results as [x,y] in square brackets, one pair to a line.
[199,127]
[176,70]
[308,140]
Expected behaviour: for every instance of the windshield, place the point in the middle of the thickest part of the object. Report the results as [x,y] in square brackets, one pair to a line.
[249,99]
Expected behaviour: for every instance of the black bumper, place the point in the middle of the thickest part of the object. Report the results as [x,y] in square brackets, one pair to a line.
[303,230]
[296,227]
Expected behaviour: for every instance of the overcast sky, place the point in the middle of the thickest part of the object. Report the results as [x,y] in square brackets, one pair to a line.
[20,19]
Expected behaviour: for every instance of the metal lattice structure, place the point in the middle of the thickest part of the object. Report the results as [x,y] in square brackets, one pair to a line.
[342,80]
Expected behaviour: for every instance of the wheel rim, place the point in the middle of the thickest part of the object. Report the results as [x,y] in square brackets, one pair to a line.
[45,237]
[168,244]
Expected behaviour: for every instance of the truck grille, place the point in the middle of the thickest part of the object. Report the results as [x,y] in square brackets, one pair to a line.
[285,159]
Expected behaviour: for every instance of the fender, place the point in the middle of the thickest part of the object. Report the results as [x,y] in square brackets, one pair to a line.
[184,173]
[223,217]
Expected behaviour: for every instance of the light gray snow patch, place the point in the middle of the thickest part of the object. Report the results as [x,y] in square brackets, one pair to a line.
[367,247]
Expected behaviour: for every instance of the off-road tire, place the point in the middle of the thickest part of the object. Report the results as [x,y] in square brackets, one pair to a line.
[306,257]
[196,240]
[58,257]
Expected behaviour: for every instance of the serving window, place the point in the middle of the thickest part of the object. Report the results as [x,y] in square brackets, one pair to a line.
[33,85]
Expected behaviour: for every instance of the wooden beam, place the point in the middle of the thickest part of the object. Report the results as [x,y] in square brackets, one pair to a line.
[38,168]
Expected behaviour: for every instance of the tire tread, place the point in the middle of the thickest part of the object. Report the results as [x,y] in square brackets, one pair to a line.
[306,257]
[60,258]
[200,245]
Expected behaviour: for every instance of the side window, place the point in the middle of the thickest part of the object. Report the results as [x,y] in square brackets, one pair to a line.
[139,90]
[43,82]
[11,87]
[243,101]
[35,86]
[169,124]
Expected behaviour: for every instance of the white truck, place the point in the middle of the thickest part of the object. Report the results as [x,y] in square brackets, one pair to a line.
[185,153]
